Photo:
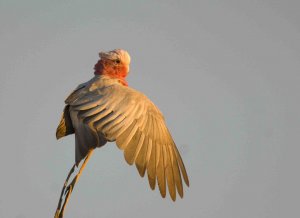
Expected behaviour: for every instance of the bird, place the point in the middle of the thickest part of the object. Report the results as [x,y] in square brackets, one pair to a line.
[105,109]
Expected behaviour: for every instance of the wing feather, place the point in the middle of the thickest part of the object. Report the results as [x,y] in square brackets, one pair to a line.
[94,110]
[169,174]
[87,102]
[97,117]
[139,146]
[151,168]
[182,167]
[140,161]
[117,130]
[176,172]
[126,135]
[112,117]
[131,149]
[161,173]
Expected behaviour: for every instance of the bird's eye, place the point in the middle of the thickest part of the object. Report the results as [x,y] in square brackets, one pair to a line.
[118,61]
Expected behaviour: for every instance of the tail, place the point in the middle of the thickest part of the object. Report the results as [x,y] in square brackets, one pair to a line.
[67,189]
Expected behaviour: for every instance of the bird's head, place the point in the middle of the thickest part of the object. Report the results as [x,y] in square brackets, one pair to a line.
[114,64]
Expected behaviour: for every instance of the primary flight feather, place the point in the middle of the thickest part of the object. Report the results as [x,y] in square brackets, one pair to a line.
[106,109]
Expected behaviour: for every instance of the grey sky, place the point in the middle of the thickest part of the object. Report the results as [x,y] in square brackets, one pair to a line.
[224,73]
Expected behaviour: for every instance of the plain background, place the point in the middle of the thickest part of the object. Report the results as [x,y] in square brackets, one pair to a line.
[224,73]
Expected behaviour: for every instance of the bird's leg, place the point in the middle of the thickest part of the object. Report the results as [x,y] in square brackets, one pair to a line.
[63,191]
[67,190]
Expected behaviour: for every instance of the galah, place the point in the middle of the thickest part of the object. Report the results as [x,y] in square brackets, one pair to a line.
[105,109]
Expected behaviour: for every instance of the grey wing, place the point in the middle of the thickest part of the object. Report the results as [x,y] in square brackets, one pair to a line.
[129,117]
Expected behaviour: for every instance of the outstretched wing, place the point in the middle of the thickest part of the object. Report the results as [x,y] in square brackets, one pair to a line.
[128,117]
